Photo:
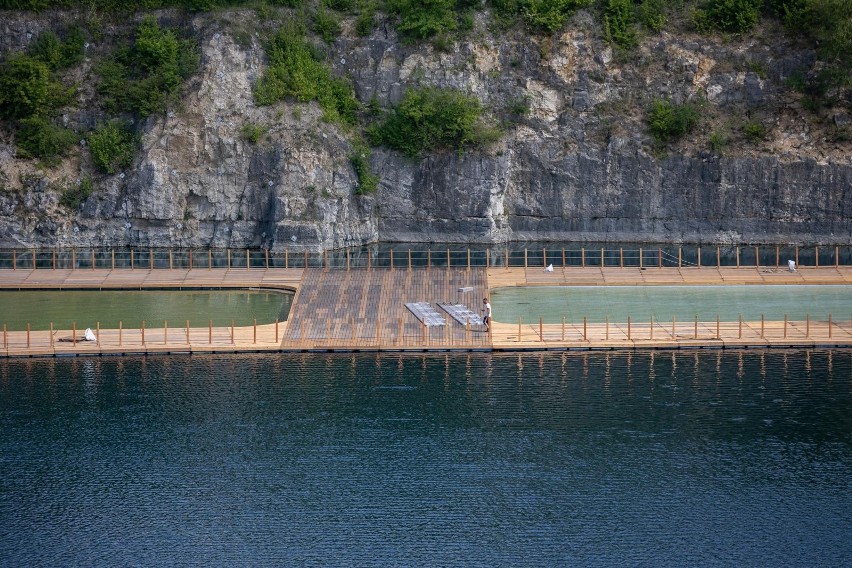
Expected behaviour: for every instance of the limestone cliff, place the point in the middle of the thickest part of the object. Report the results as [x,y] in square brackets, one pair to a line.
[579,165]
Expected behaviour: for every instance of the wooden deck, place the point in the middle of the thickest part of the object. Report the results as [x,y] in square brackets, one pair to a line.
[364,309]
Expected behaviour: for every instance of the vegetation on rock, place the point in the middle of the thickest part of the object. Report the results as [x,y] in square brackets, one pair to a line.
[112,147]
[669,121]
[429,119]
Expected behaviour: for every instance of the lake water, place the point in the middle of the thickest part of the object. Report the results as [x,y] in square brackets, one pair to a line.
[86,307]
[552,303]
[545,459]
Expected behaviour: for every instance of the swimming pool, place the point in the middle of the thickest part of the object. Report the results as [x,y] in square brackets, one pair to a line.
[596,303]
[107,307]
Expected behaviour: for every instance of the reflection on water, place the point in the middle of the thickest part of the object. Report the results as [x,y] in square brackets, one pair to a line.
[85,307]
[675,458]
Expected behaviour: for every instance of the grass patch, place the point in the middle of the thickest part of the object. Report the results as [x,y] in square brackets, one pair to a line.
[252,133]
[73,195]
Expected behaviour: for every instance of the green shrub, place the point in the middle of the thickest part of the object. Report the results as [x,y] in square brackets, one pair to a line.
[422,19]
[618,23]
[73,195]
[652,14]
[252,133]
[146,77]
[294,71]
[112,147]
[668,121]
[58,54]
[718,140]
[755,131]
[549,15]
[25,86]
[38,137]
[326,25]
[434,119]
[733,16]
[365,21]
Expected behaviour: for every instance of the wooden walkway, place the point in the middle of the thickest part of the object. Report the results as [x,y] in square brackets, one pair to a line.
[364,309]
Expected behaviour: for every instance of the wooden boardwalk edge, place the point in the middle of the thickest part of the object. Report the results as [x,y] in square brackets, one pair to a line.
[364,310]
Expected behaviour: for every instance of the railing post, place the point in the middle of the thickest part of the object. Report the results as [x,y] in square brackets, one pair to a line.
[232,332]
[836,256]
[673,327]
[51,335]
[98,333]
[54,258]
[652,329]
[468,259]
[369,259]
[165,332]
[740,335]
[797,255]
[563,257]
[73,258]
[276,330]
[762,331]
[14,259]
[816,257]
[807,326]
[209,332]
[695,329]
[348,261]
[737,253]
[265,255]
[621,257]
[641,258]
[679,257]
[5,338]
[756,256]
[718,257]
[286,258]
[28,335]
[209,259]
[544,257]
[391,259]
[254,333]
[698,252]
[629,336]
[409,260]
[829,326]
[585,329]
[507,258]
[74,333]
[563,327]
[429,259]
[248,261]
[519,329]
[187,332]
[606,319]
[93,258]
[306,257]
[540,329]
[325,259]
[602,257]
[120,330]
[449,260]
[583,257]
[113,258]
[171,260]
[190,259]
[150,259]
[717,327]
[525,258]
[785,326]
[777,256]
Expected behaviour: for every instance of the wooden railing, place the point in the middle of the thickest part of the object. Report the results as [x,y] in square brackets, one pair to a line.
[692,256]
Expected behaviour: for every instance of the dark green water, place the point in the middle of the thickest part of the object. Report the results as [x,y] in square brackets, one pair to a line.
[552,303]
[86,307]
[654,459]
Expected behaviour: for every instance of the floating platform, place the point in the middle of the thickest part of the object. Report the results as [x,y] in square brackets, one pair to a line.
[365,310]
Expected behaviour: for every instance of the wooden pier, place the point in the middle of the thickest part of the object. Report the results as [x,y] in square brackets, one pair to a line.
[364,309]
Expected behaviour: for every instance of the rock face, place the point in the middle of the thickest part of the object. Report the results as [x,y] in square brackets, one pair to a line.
[579,165]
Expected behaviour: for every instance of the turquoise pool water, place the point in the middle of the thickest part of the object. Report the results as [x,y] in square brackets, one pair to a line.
[552,303]
[86,307]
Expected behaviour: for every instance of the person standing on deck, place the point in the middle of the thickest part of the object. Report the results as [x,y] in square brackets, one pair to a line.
[486,310]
